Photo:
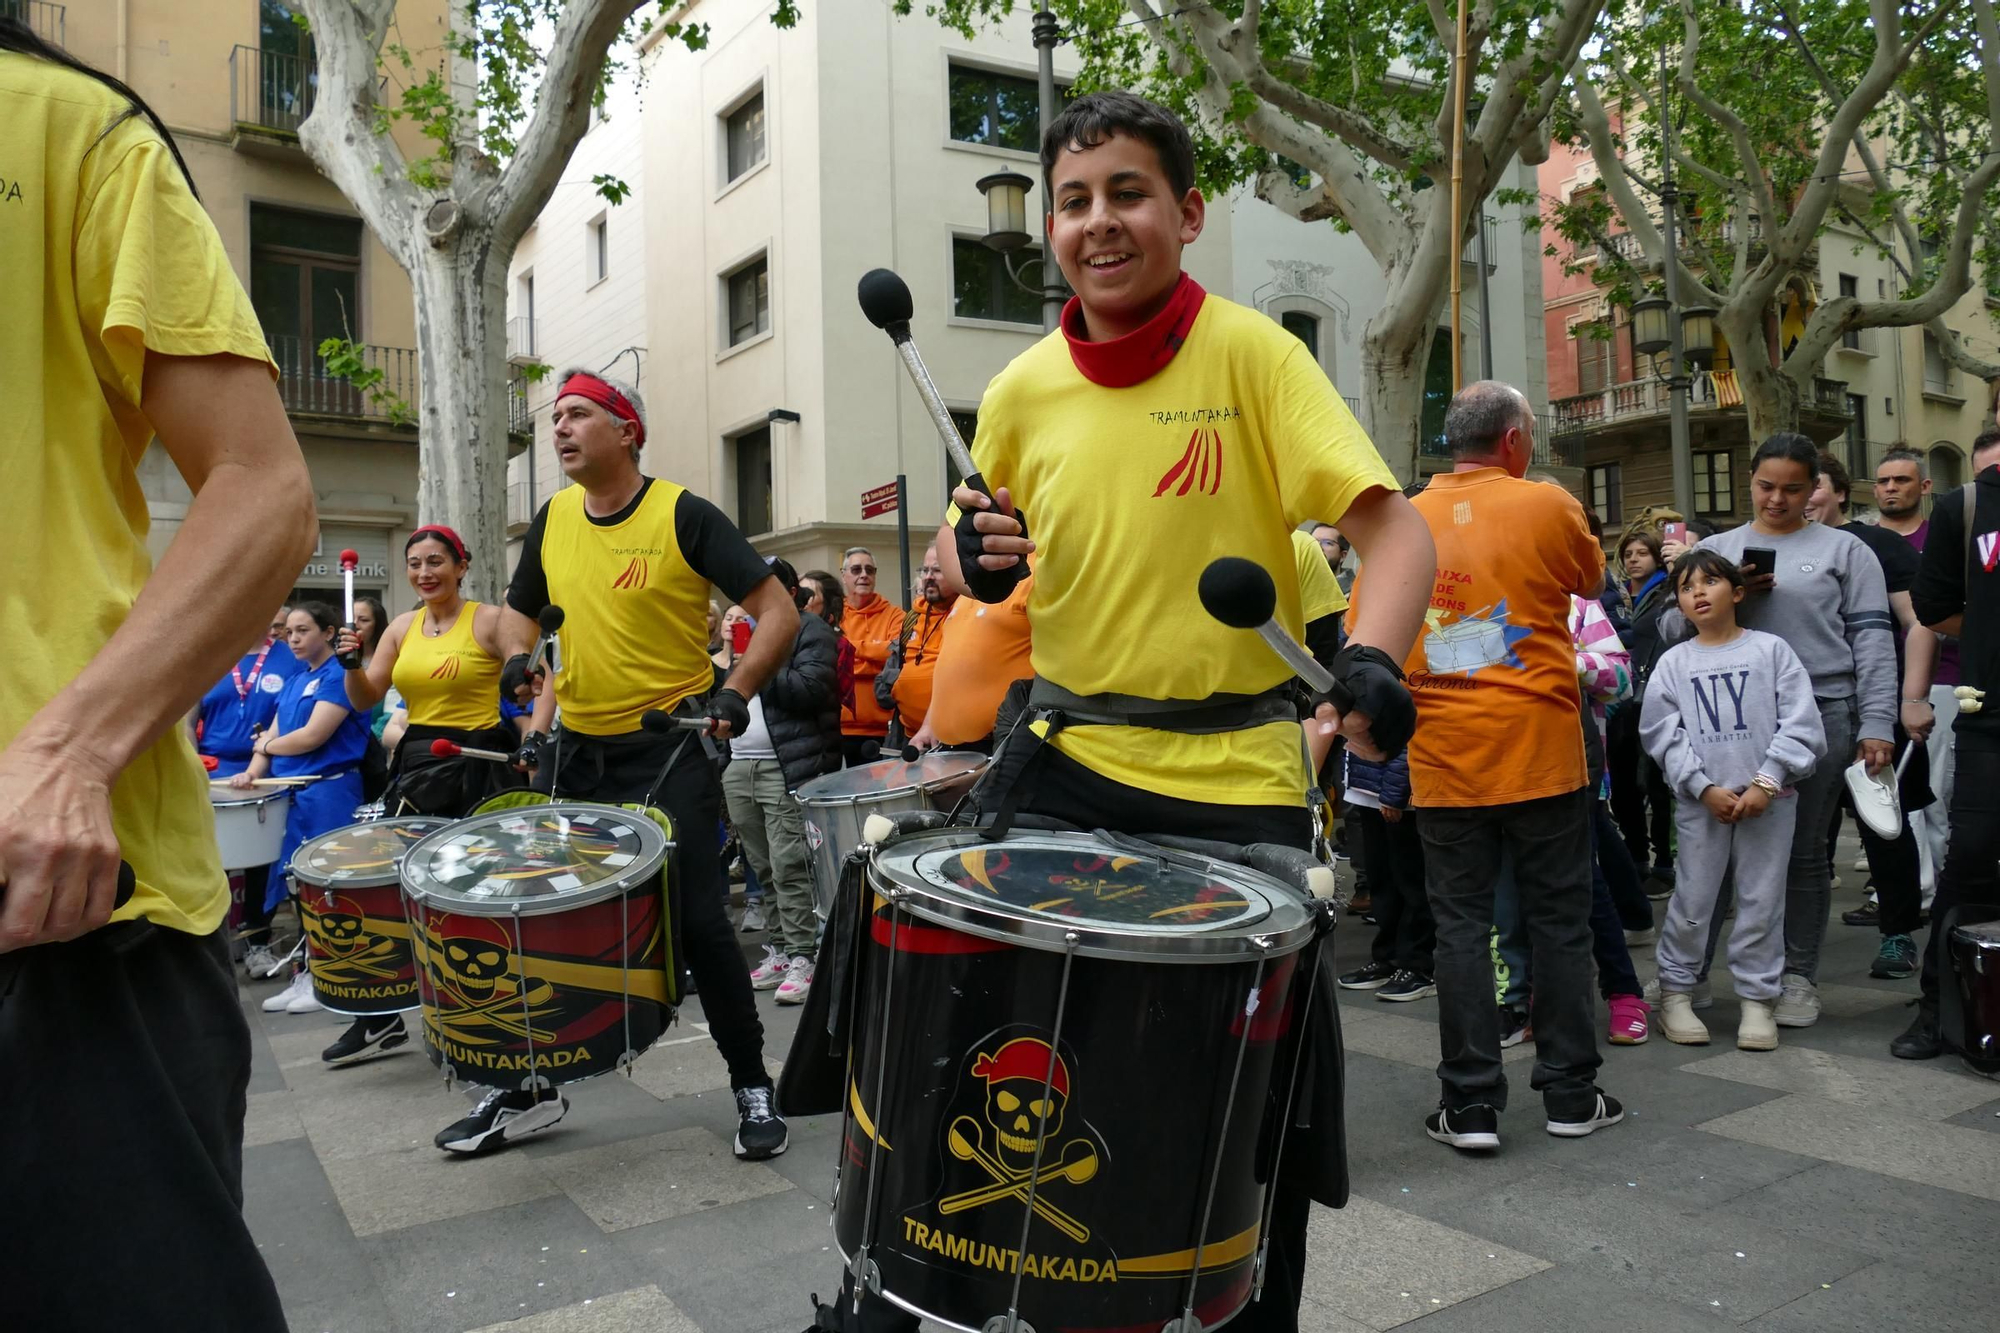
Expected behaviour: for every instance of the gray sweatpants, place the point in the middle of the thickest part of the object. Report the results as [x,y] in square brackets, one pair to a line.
[1760,850]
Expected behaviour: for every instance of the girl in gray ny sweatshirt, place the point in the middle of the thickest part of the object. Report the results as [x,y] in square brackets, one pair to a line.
[1731,720]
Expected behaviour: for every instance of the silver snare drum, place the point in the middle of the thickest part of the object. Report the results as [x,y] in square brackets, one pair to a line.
[249,825]
[837,805]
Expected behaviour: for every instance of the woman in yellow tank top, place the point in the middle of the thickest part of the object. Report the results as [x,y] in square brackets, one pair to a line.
[444,659]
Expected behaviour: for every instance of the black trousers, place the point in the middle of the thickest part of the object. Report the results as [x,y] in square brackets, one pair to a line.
[1548,845]
[1971,874]
[1064,789]
[675,774]
[1405,935]
[126,1059]
[1641,802]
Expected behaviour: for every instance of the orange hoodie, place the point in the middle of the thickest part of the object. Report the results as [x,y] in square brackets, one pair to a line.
[873,633]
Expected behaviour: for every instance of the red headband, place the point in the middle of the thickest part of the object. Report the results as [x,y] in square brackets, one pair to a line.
[444,534]
[597,391]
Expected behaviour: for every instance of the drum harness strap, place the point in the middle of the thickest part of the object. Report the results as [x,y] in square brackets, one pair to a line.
[1056,708]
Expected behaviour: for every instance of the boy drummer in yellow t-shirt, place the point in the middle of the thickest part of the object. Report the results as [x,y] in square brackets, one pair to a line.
[1159,429]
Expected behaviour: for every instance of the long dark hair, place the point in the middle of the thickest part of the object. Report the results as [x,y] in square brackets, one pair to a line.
[832,596]
[15,35]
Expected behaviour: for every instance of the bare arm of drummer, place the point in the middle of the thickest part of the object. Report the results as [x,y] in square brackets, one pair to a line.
[220,421]
[369,685]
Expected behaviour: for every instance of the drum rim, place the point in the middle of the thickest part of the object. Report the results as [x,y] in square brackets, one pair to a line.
[442,900]
[806,796]
[1230,944]
[379,880]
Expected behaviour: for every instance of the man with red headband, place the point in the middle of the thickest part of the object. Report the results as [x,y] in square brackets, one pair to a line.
[629,558]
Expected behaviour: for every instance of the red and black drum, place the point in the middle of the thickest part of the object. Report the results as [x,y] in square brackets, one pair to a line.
[1975,962]
[1060,1106]
[544,942]
[351,907]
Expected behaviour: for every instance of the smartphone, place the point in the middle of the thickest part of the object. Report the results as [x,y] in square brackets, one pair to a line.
[1674,532]
[1763,557]
[739,636]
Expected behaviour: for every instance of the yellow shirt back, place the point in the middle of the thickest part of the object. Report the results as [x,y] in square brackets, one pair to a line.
[107,255]
[635,626]
[1130,492]
[448,681]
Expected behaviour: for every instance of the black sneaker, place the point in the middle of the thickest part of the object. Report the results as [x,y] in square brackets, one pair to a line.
[1372,977]
[1407,985]
[500,1118]
[1514,1027]
[759,1133]
[1608,1111]
[1867,914]
[1474,1128]
[368,1037]
[1896,959]
[1923,1040]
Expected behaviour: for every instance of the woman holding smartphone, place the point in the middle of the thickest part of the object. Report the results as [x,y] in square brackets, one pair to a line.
[1821,591]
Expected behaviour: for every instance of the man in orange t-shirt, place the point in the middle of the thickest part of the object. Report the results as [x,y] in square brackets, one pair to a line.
[985,650]
[1497,766]
[871,624]
[921,641]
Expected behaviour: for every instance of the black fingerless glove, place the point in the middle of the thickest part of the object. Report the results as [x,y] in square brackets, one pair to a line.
[530,753]
[513,676]
[1373,684]
[987,585]
[726,705]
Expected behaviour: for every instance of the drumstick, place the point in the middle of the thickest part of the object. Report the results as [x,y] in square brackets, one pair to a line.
[1240,594]
[660,720]
[885,299]
[445,749]
[348,560]
[547,648]
[265,782]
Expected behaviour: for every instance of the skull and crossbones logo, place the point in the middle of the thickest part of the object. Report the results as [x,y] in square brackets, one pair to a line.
[1027,1095]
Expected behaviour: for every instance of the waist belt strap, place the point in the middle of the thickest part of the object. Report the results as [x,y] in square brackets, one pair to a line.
[1189,717]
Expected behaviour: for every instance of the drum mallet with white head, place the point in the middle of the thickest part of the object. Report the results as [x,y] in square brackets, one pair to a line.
[348,561]
[445,749]
[666,724]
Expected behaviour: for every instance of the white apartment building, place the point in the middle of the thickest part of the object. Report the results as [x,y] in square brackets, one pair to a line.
[779,166]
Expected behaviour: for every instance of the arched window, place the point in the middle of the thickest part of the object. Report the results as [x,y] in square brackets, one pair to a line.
[1947,467]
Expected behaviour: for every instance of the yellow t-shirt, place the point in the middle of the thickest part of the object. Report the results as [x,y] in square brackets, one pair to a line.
[1130,492]
[107,254]
[635,627]
[1319,590]
[449,680]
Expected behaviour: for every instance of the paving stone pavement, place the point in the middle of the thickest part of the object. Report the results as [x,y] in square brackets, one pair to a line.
[1820,1187]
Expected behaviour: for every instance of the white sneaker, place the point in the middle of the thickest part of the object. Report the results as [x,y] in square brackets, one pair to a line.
[1639,939]
[1701,997]
[798,980]
[754,918]
[1798,1002]
[1756,1031]
[1861,864]
[259,962]
[301,984]
[305,1002]
[767,974]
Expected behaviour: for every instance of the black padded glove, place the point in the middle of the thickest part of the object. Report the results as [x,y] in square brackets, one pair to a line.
[987,585]
[529,756]
[1372,684]
[726,705]
[514,676]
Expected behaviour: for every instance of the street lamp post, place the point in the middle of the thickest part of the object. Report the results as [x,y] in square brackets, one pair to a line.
[1677,380]
[1007,193]
[1046,36]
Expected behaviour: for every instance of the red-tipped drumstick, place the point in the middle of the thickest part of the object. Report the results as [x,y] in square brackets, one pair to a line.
[348,560]
[445,749]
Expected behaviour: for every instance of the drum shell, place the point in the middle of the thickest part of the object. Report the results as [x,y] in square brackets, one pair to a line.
[595,981]
[1975,959]
[1150,1052]
[250,832]
[358,948]
[833,822]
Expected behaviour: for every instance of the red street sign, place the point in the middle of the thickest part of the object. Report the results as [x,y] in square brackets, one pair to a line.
[881,500]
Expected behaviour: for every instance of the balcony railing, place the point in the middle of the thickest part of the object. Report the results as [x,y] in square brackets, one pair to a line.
[307,387]
[269,90]
[47,21]
[520,417]
[521,338]
[520,509]
[1652,396]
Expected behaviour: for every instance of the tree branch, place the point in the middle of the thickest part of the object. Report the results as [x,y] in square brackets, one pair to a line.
[1597,128]
[340,135]
[582,38]
[1739,133]
[1512,117]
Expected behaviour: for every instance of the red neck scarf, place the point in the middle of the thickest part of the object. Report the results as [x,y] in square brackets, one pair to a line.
[1119,363]
[606,397]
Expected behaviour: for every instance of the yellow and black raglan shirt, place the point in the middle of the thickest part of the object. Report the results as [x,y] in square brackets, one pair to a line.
[1209,432]
[108,259]
[633,587]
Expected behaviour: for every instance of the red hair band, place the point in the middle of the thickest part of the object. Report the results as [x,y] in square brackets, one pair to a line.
[443,534]
[597,391]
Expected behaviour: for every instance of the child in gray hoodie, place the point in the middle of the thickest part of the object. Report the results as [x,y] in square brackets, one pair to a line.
[1731,720]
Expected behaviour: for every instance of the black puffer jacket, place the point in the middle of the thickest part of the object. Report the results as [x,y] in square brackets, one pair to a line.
[802,704]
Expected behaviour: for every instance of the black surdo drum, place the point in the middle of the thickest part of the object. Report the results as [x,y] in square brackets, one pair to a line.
[1059,1112]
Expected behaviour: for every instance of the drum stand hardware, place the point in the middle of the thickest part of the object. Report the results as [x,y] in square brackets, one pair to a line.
[1011,1321]
[1188,1323]
[1304,1013]
[866,1274]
